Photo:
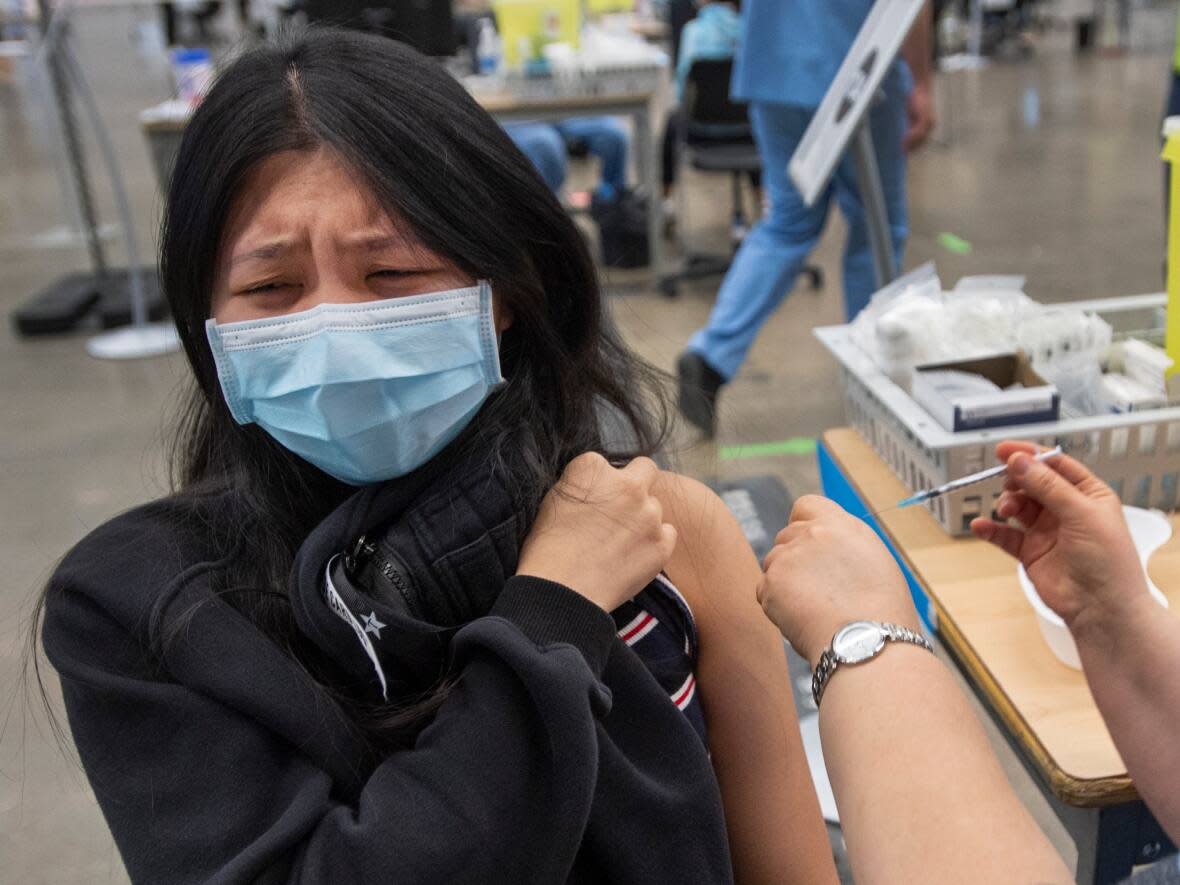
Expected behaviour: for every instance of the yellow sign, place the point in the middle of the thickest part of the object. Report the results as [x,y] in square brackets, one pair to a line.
[597,7]
[1172,340]
[527,26]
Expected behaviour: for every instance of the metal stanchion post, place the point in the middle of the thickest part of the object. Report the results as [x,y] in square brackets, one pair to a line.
[59,84]
[120,298]
[872,196]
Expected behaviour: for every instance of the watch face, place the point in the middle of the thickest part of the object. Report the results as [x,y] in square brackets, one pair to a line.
[858,642]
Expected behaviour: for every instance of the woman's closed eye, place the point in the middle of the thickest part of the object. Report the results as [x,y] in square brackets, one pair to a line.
[394,282]
[269,286]
[403,273]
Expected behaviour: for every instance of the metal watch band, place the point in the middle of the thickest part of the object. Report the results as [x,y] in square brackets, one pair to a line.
[828,662]
[823,672]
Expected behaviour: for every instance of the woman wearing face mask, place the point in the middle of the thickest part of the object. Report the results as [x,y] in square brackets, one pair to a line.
[410,615]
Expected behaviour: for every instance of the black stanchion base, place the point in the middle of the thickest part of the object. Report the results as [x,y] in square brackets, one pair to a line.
[760,504]
[85,299]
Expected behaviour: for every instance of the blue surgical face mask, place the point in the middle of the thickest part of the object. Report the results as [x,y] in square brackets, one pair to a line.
[365,392]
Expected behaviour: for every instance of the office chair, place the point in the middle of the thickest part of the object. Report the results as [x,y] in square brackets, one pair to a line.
[715,137]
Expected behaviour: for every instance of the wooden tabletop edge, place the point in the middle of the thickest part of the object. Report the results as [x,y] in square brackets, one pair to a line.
[1073,791]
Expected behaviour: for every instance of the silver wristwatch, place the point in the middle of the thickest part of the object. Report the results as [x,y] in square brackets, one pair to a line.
[856,643]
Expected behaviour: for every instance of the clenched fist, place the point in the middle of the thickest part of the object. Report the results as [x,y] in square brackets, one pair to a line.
[600,531]
[828,568]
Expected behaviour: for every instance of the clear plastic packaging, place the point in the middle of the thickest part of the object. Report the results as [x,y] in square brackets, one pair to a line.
[913,322]
[1078,378]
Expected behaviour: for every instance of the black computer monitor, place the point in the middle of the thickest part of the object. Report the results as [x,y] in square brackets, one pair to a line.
[427,25]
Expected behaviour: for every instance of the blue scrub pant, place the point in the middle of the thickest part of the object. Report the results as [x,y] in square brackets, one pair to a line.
[606,139]
[772,254]
[543,145]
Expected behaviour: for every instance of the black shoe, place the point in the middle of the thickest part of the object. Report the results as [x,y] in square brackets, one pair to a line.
[698,387]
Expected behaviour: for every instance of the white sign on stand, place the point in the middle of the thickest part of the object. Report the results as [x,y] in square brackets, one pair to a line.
[840,117]
[848,98]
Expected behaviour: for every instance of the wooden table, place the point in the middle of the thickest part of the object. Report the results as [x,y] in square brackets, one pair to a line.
[164,124]
[968,594]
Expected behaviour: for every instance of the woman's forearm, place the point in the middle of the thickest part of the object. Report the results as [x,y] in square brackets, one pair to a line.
[921,796]
[1131,662]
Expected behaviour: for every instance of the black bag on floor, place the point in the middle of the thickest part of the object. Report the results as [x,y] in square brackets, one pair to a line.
[622,230]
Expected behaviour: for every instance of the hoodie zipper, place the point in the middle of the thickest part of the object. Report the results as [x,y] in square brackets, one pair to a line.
[358,554]
[388,565]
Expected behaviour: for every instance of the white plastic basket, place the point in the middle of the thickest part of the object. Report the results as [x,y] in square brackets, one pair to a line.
[1138,454]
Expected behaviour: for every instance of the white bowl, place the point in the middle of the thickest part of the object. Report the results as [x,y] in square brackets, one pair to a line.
[1150,530]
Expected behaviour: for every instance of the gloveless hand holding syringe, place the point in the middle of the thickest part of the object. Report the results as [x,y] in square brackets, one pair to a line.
[964,481]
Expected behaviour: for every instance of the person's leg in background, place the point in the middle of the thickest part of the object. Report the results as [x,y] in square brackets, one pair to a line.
[888,124]
[670,164]
[752,212]
[670,150]
[763,270]
[544,147]
[756,185]
[605,138]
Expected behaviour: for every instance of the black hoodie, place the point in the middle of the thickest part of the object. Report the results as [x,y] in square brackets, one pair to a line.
[555,757]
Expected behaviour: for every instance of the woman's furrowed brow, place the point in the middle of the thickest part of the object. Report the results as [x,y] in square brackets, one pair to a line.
[264,252]
[378,242]
[360,242]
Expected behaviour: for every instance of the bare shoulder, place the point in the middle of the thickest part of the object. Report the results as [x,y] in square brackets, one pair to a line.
[712,555]
[685,497]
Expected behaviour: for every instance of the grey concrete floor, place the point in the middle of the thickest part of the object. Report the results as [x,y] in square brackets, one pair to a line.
[1069,195]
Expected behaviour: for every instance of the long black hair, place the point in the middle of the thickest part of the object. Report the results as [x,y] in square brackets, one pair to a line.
[450,174]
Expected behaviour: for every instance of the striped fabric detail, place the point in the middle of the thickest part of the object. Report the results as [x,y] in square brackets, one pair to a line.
[683,696]
[658,626]
[638,627]
[671,588]
[673,593]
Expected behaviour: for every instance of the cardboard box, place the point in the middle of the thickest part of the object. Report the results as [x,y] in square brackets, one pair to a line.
[1033,401]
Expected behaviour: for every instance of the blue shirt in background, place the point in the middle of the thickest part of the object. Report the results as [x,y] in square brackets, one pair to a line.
[712,35]
[791,49]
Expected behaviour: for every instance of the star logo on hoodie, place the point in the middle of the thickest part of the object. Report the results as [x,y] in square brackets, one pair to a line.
[372,625]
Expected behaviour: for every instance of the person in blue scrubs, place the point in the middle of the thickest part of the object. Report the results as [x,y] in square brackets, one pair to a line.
[545,145]
[788,57]
[605,138]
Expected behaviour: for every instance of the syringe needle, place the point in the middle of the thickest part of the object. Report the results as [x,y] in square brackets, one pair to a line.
[972,479]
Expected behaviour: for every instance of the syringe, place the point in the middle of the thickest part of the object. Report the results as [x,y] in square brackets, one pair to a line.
[982,475]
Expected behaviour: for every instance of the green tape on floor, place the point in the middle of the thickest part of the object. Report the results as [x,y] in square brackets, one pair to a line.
[954,244]
[799,445]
